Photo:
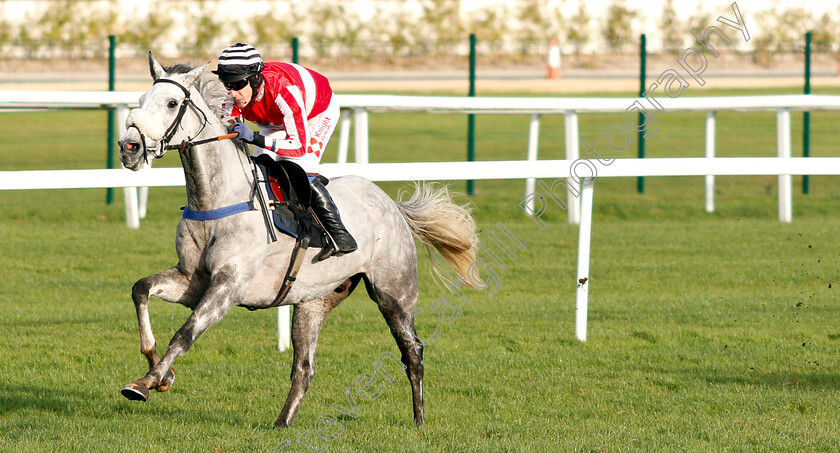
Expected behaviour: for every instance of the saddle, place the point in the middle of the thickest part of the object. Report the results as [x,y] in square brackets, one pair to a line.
[286,186]
[283,192]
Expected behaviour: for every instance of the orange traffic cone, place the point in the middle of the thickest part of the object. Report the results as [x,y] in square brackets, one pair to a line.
[555,71]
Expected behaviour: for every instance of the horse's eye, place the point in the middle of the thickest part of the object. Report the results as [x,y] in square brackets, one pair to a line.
[172,104]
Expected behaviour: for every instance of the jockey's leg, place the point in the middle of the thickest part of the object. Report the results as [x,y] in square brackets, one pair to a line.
[327,211]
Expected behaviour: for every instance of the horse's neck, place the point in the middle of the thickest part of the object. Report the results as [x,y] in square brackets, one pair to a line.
[217,174]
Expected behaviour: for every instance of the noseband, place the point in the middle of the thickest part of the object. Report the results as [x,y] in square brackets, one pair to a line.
[162,145]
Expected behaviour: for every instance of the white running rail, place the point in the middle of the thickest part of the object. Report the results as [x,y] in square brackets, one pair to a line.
[784,166]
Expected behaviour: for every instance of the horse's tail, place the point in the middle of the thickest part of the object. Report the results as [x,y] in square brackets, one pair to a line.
[439,222]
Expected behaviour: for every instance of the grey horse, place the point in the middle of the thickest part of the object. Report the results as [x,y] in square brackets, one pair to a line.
[231,261]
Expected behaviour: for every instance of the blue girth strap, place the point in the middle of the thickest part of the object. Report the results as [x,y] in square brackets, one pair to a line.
[215,214]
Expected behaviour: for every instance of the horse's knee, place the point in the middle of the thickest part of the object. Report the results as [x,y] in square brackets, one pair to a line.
[140,290]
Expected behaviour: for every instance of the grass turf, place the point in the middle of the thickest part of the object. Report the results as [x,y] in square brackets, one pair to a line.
[707,332]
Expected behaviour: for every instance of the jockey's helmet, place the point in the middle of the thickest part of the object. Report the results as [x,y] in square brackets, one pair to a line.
[238,62]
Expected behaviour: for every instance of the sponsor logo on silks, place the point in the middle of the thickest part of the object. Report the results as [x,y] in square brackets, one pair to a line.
[315,147]
[323,127]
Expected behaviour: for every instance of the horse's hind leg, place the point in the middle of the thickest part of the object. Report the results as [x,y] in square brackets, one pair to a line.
[396,303]
[307,321]
[170,285]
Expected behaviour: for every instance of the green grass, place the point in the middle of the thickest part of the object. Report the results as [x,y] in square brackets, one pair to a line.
[707,332]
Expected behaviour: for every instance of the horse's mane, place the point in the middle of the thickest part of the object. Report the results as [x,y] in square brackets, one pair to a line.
[212,91]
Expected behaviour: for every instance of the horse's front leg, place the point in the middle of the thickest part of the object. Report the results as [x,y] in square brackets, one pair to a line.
[223,293]
[170,285]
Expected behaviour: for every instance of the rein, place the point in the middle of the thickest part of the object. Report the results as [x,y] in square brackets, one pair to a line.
[190,144]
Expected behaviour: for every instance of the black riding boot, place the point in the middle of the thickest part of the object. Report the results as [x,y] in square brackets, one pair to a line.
[327,211]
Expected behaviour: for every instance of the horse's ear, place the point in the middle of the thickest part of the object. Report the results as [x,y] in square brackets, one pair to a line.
[155,68]
[195,74]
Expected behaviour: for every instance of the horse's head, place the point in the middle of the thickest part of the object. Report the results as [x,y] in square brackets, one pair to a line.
[167,113]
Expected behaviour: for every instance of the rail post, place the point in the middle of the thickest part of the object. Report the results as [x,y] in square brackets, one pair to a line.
[640,182]
[806,116]
[112,114]
[284,313]
[471,116]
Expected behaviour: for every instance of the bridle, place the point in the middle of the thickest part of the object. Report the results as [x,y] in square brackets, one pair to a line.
[161,146]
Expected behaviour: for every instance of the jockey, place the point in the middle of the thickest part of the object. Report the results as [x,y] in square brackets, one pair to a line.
[296,112]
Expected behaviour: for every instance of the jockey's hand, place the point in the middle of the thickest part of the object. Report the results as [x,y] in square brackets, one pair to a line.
[245,132]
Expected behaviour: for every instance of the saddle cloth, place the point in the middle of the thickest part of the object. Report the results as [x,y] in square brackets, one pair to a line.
[285,186]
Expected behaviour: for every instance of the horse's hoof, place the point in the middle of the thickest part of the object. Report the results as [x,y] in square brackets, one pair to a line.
[282,424]
[167,381]
[135,392]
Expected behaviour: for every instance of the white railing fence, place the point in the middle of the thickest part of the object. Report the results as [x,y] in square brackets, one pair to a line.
[579,204]
[356,108]
[545,169]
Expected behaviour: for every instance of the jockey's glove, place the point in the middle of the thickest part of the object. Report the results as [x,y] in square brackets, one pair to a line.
[247,135]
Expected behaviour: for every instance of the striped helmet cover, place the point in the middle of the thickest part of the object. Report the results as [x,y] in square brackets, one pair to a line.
[237,62]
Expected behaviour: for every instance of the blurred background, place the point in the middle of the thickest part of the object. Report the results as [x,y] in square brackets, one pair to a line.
[421,44]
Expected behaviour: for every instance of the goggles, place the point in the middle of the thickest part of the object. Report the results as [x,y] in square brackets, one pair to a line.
[237,85]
